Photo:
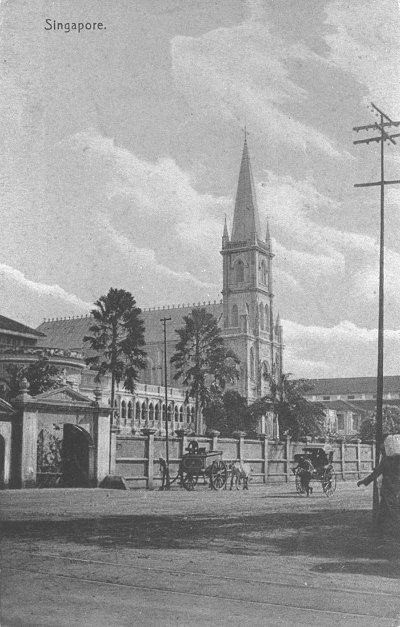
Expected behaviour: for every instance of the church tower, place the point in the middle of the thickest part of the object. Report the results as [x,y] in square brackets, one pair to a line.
[249,328]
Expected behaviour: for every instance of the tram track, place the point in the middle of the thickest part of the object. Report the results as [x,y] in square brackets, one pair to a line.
[208,575]
[219,597]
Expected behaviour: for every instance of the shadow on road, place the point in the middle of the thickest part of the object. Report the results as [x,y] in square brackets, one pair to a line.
[337,534]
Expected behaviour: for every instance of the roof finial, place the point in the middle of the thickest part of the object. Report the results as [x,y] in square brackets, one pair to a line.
[225,235]
[268,235]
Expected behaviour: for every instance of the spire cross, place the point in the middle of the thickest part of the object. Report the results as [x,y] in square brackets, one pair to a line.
[245,131]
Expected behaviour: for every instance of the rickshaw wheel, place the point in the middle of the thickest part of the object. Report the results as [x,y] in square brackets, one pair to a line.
[218,474]
[189,481]
[299,485]
[329,481]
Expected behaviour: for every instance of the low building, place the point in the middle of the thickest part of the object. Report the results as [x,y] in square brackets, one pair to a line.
[348,401]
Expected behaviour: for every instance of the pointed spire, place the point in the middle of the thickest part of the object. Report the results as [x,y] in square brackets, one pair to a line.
[268,236]
[225,230]
[278,321]
[246,222]
[225,235]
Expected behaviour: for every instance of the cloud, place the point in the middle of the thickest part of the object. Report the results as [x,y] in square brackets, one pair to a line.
[28,301]
[342,350]
[151,214]
[243,73]
[365,43]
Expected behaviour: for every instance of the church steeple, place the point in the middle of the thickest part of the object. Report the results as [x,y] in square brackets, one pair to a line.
[246,222]
[250,329]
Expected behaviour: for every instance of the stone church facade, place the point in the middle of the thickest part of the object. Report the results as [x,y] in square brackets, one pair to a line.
[245,315]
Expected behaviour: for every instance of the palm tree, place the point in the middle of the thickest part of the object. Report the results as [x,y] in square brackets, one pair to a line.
[201,360]
[117,338]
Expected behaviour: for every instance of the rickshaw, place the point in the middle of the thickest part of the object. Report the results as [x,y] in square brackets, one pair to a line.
[314,464]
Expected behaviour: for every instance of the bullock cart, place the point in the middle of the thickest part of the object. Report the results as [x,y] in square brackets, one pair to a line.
[198,463]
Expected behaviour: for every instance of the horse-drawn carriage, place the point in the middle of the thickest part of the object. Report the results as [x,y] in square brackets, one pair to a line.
[314,464]
[199,463]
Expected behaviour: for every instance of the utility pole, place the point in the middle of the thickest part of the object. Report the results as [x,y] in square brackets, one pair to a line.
[384,124]
[167,481]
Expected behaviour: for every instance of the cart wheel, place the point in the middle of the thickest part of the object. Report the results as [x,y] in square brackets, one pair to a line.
[218,474]
[329,481]
[189,481]
[299,484]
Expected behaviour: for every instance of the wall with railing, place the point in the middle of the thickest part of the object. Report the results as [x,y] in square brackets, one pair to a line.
[136,458]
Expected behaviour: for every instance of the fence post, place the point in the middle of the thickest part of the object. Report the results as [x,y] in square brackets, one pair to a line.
[182,435]
[264,441]
[343,449]
[288,451]
[359,458]
[214,441]
[240,437]
[113,452]
[150,456]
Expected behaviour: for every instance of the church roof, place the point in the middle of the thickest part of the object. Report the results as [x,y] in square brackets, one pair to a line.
[12,326]
[65,333]
[154,328]
[68,333]
[246,220]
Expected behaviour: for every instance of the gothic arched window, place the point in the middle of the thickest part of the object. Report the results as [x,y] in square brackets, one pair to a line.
[176,412]
[252,368]
[123,410]
[151,412]
[239,271]
[261,309]
[235,316]
[144,411]
[130,412]
[263,273]
[181,414]
[267,322]
[138,412]
[157,412]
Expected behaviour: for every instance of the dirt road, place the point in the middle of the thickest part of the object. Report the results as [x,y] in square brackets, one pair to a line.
[263,557]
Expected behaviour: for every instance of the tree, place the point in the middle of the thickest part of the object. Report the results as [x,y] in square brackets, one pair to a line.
[117,338]
[230,413]
[40,374]
[201,360]
[390,423]
[297,416]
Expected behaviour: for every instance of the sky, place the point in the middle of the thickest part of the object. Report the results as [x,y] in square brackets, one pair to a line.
[121,151]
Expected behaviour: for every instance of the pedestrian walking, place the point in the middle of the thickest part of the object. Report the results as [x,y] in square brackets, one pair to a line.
[389,504]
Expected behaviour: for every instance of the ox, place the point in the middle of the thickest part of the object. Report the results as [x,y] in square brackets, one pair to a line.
[240,471]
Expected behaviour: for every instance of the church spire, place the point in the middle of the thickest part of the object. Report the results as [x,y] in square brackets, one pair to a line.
[246,222]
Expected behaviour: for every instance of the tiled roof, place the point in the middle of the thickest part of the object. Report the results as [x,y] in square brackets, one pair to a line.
[69,333]
[154,328]
[358,405]
[7,324]
[65,333]
[352,385]
[340,405]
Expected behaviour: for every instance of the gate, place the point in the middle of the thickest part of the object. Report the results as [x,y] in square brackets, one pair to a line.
[77,458]
[49,463]
[2,460]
